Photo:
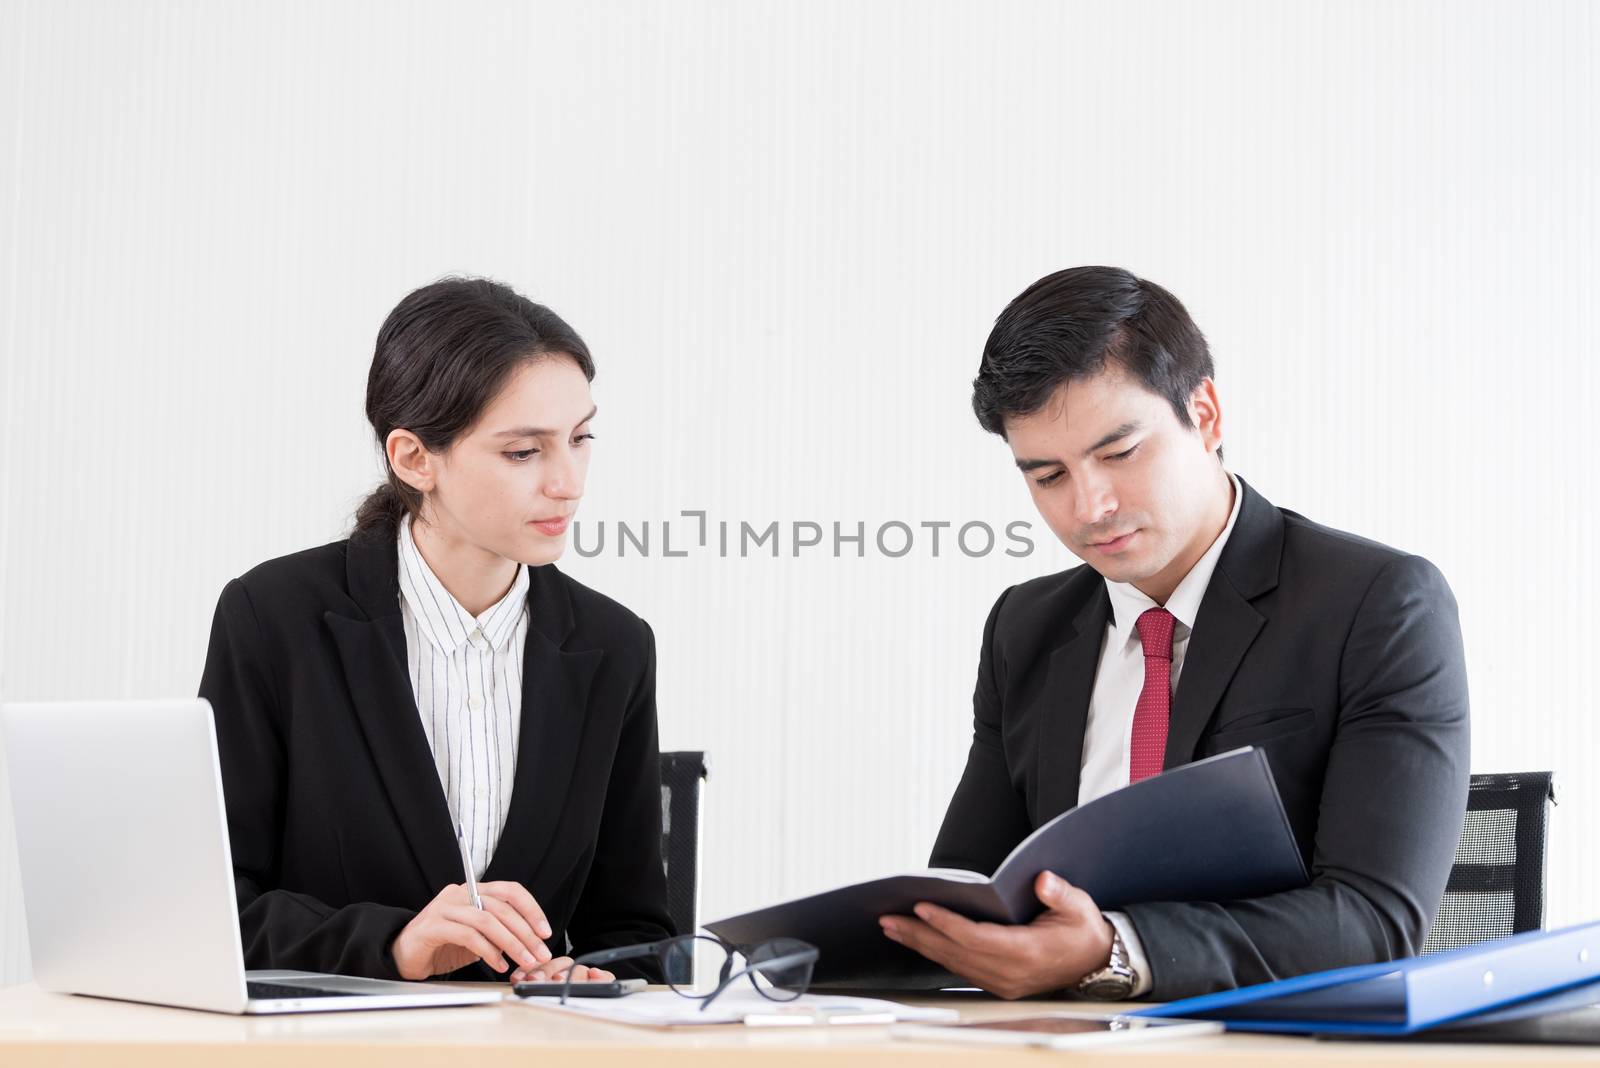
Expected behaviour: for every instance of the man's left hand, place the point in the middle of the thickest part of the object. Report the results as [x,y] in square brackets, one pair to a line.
[1067,941]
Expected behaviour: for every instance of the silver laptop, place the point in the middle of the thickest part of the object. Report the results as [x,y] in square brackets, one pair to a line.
[126,875]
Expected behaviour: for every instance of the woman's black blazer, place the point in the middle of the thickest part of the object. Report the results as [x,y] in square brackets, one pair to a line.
[336,817]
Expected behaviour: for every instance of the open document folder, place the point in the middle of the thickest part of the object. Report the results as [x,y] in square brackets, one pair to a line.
[1403,996]
[1213,830]
[663,1008]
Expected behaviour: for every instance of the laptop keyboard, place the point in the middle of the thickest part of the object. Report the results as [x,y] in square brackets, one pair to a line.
[276,991]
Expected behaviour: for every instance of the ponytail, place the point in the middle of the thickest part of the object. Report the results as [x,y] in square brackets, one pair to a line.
[380,514]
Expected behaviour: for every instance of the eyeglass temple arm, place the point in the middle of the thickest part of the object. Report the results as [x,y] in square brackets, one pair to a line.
[606,956]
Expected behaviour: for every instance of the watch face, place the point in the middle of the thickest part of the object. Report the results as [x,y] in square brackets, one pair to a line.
[1108,988]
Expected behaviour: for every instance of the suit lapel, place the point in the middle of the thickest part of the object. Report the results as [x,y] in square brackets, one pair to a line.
[373,652]
[1227,624]
[1224,629]
[555,705]
[1068,685]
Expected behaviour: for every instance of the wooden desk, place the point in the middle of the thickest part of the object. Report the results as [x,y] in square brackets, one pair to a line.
[37,1028]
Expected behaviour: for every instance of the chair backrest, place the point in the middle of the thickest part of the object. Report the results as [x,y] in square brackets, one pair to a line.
[1496,885]
[682,776]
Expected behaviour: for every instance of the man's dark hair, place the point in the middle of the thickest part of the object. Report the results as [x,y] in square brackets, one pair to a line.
[1067,325]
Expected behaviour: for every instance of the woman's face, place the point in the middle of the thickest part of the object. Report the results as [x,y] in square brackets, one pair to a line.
[511,483]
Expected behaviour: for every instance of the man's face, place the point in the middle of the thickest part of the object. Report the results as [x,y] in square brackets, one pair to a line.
[1130,490]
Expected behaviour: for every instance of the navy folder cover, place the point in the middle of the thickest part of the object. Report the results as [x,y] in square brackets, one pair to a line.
[1213,830]
[1405,996]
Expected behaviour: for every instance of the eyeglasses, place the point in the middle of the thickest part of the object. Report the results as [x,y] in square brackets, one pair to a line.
[779,969]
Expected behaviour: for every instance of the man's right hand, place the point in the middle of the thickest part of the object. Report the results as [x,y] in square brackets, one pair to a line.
[449,933]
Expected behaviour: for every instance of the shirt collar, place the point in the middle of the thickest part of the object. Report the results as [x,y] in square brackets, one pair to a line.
[1128,602]
[440,617]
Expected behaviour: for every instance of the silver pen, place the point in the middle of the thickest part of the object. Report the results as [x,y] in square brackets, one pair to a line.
[466,866]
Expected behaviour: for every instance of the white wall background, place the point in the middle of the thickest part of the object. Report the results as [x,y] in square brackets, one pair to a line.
[785,230]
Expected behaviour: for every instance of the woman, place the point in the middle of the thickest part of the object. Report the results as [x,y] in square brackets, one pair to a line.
[435,676]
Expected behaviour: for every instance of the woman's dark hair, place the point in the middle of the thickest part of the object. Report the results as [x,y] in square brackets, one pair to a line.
[442,355]
[1067,325]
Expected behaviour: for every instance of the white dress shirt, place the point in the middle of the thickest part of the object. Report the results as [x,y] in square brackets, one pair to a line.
[466,673]
[1118,680]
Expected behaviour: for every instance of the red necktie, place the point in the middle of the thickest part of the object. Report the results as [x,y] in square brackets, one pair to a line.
[1150,715]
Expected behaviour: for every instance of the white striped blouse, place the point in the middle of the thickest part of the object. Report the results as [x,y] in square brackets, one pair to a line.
[466,673]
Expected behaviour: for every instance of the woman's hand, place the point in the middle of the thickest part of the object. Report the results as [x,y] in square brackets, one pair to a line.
[449,933]
[556,970]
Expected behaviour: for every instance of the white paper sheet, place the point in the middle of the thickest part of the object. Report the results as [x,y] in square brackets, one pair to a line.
[663,1008]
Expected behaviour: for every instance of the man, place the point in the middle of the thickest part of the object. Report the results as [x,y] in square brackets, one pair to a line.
[1203,619]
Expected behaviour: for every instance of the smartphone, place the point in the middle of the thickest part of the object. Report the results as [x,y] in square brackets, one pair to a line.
[1058,1030]
[616,988]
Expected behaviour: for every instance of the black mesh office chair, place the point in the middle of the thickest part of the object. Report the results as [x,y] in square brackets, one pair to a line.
[682,775]
[1496,886]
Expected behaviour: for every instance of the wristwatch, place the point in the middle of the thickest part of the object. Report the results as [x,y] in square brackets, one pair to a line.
[1117,980]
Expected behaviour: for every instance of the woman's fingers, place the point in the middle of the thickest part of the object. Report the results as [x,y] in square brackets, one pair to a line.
[487,924]
[458,934]
[516,895]
[518,926]
[551,971]
[556,971]
[511,923]
[500,933]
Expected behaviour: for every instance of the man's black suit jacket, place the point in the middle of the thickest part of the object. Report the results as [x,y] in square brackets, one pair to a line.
[336,816]
[1339,657]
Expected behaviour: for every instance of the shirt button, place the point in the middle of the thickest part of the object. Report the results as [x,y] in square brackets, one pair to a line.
[475,703]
